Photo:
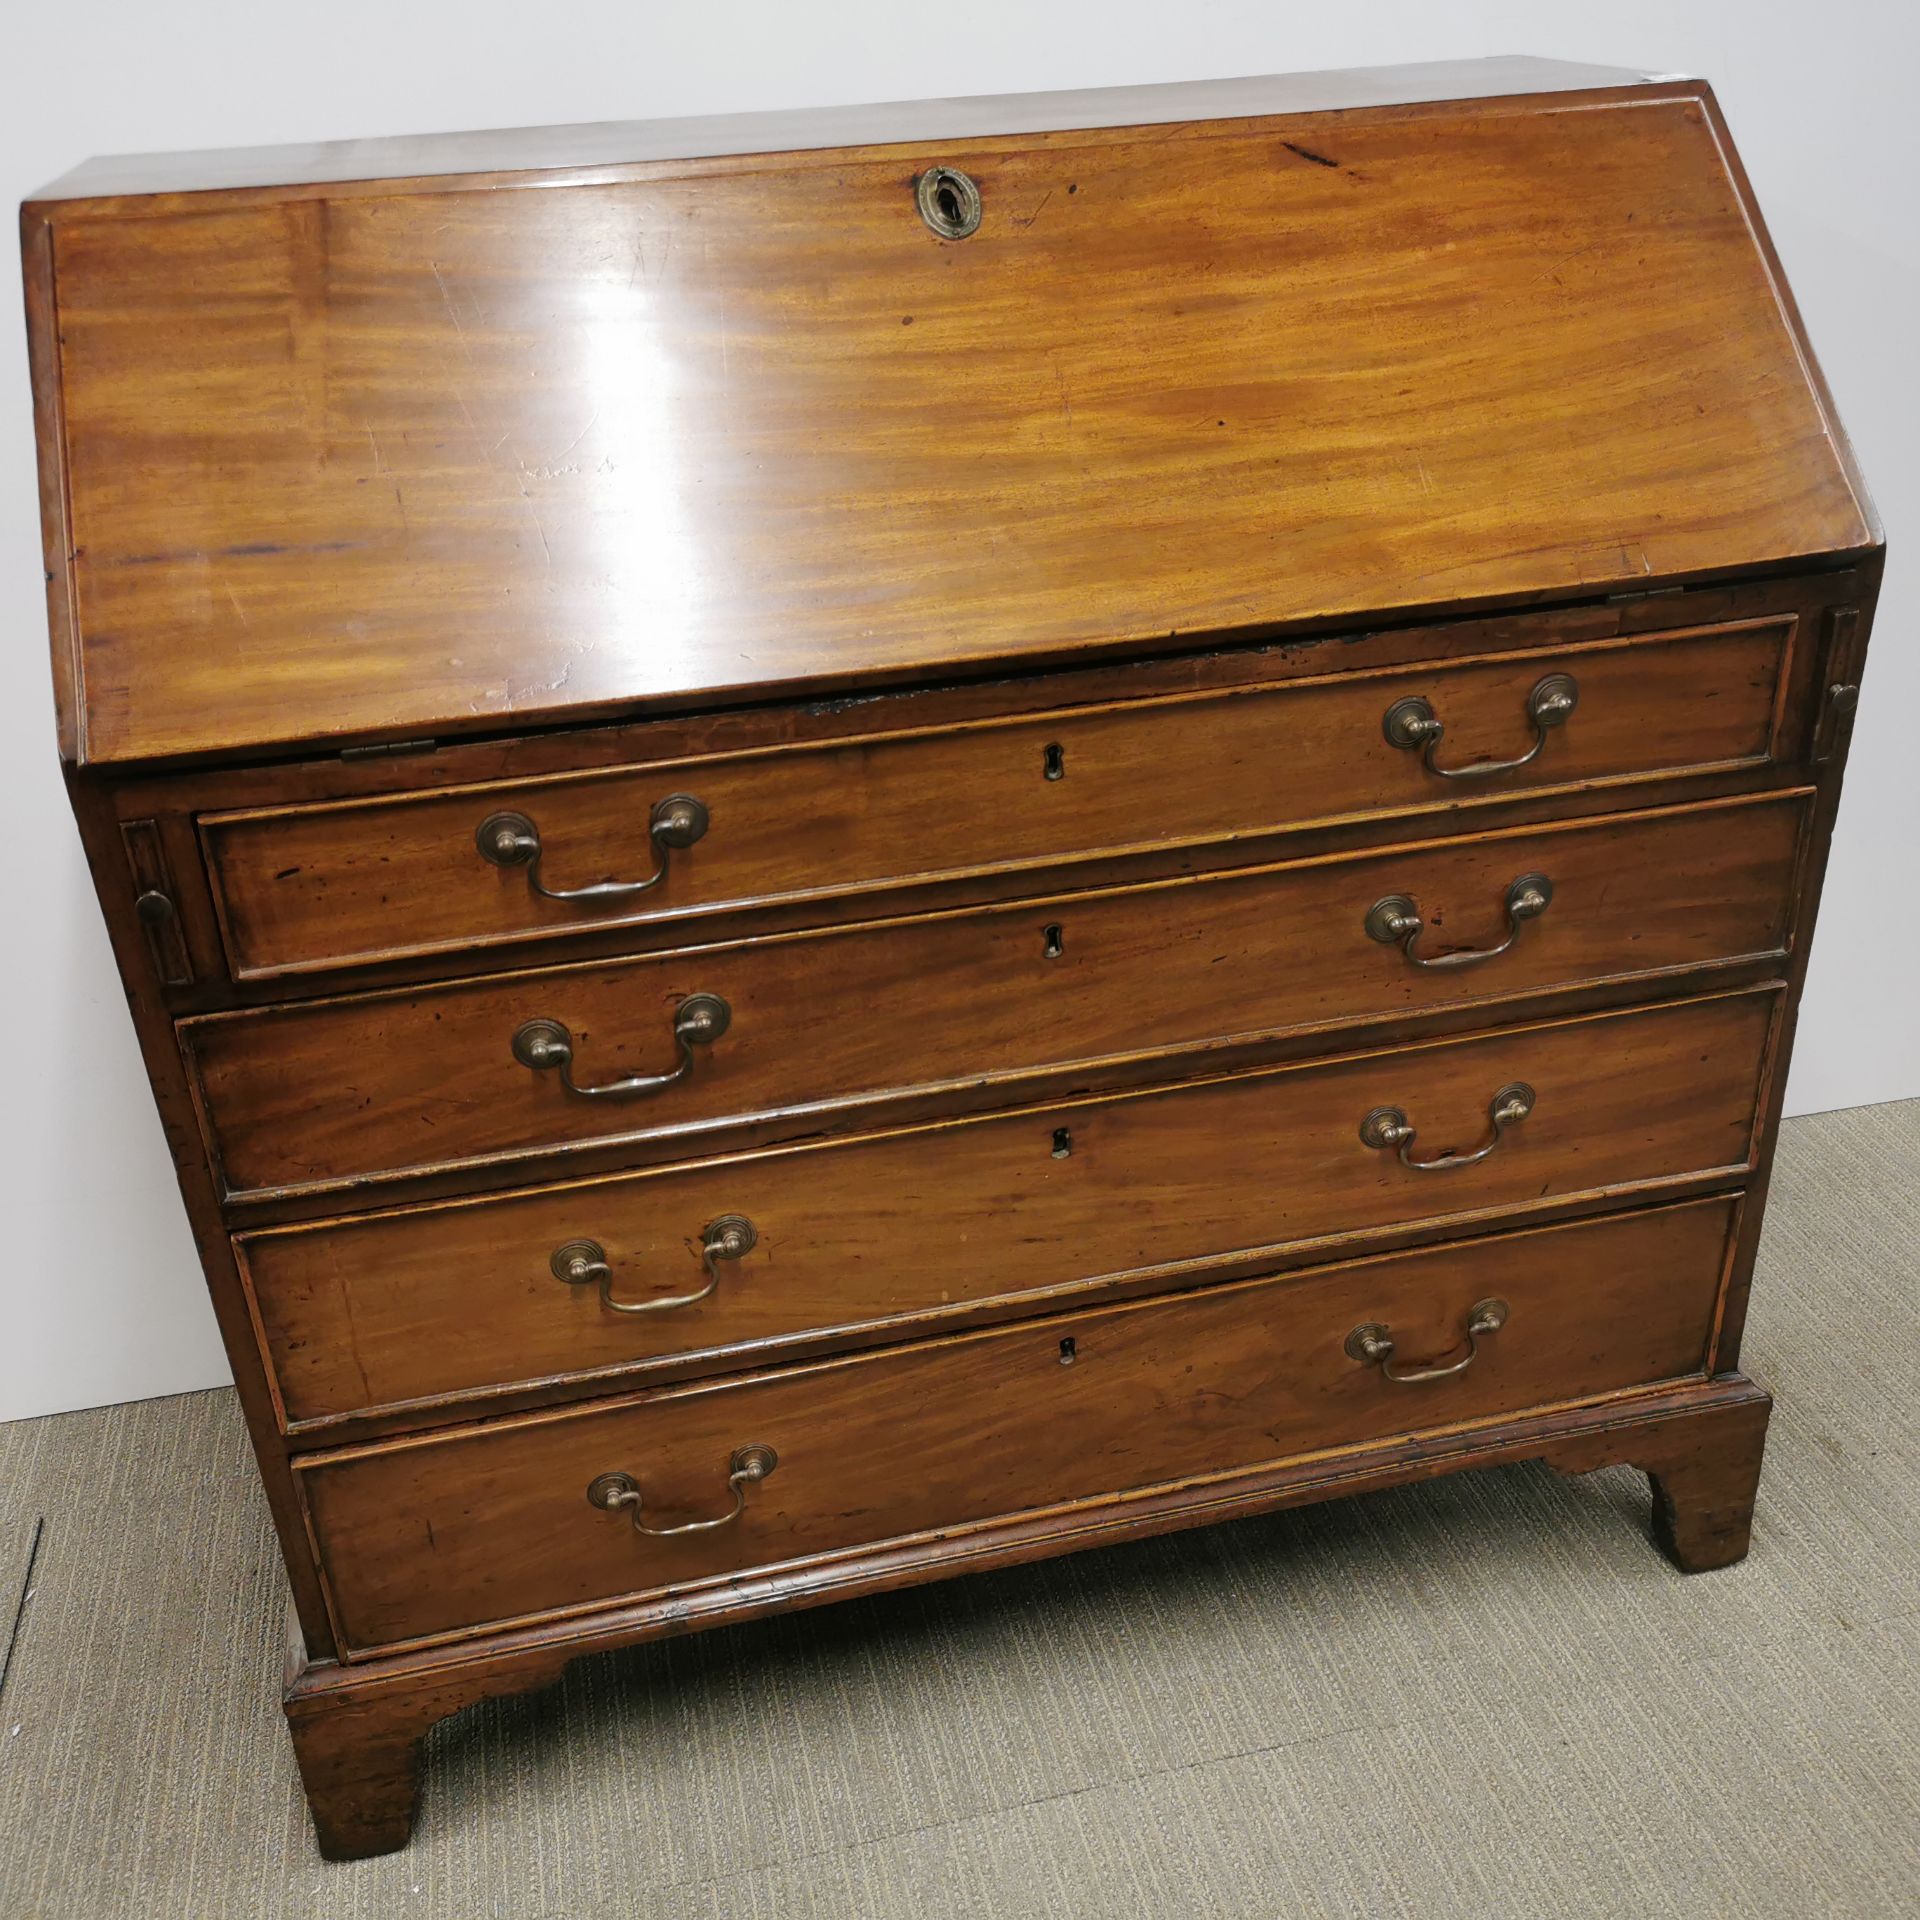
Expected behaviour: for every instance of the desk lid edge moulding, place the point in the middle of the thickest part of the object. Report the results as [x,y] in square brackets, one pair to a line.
[425,457]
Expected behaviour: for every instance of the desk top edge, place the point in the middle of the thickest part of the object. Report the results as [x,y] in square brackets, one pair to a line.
[449,156]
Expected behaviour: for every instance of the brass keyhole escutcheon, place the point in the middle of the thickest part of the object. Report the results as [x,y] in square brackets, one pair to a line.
[949,202]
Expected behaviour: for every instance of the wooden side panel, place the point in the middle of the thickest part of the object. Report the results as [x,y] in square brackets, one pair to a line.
[428,462]
[56,531]
[901,1233]
[381,1085]
[431,1537]
[102,836]
[302,888]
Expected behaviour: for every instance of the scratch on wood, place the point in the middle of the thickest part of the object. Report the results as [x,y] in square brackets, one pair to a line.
[545,545]
[1307,153]
[578,437]
[452,311]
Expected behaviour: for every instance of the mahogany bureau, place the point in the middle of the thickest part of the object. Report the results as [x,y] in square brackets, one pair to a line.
[856,845]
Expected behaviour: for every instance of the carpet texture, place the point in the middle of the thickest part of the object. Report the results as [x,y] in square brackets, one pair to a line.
[1484,1697]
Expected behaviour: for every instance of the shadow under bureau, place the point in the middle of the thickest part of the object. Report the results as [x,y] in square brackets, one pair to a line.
[855,845]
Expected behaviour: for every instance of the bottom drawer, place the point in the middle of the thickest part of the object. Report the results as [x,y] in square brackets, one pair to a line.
[489,1524]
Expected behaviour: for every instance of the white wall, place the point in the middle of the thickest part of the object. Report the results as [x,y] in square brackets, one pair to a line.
[100,1297]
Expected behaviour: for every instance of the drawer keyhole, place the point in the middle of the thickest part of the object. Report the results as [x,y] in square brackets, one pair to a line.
[1062,1143]
[1053,762]
[1069,1353]
[1053,941]
[949,202]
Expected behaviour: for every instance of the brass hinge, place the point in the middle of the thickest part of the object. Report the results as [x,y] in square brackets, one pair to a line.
[1840,674]
[389,748]
[156,902]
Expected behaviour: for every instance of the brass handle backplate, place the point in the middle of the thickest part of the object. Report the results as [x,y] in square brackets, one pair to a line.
[1395,921]
[546,1044]
[512,840]
[584,1262]
[1372,1345]
[1389,1127]
[748,1466]
[1412,723]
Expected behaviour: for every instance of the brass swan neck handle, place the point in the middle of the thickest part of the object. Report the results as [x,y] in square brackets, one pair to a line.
[584,1262]
[1395,921]
[616,1492]
[545,1045]
[1388,1127]
[1373,1345]
[1412,723]
[512,840]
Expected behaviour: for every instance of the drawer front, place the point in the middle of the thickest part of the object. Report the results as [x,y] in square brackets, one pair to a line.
[491,1524]
[382,1085]
[310,887]
[884,1236]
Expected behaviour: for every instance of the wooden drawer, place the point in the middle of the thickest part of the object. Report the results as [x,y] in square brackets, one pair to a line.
[323,886]
[380,1086]
[907,1232]
[492,1523]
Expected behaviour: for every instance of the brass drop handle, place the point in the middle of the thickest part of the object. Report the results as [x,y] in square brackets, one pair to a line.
[1372,1345]
[582,1262]
[512,840]
[1412,723]
[1395,921]
[1388,1127]
[544,1044]
[748,1467]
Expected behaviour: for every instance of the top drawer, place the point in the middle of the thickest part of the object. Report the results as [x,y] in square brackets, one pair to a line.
[311,888]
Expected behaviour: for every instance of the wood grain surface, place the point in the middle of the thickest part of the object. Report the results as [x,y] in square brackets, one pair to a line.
[378,1086]
[904,1233]
[427,462]
[413,1536]
[304,888]
[357,1726]
[1024,608]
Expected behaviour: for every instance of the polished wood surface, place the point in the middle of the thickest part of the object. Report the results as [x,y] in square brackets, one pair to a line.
[1703,1497]
[959,1431]
[314,887]
[178,805]
[383,1085]
[458,460]
[615,146]
[374,1712]
[1025,609]
[896,1234]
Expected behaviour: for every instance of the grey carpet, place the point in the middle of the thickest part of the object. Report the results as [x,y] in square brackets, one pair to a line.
[1485,1697]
